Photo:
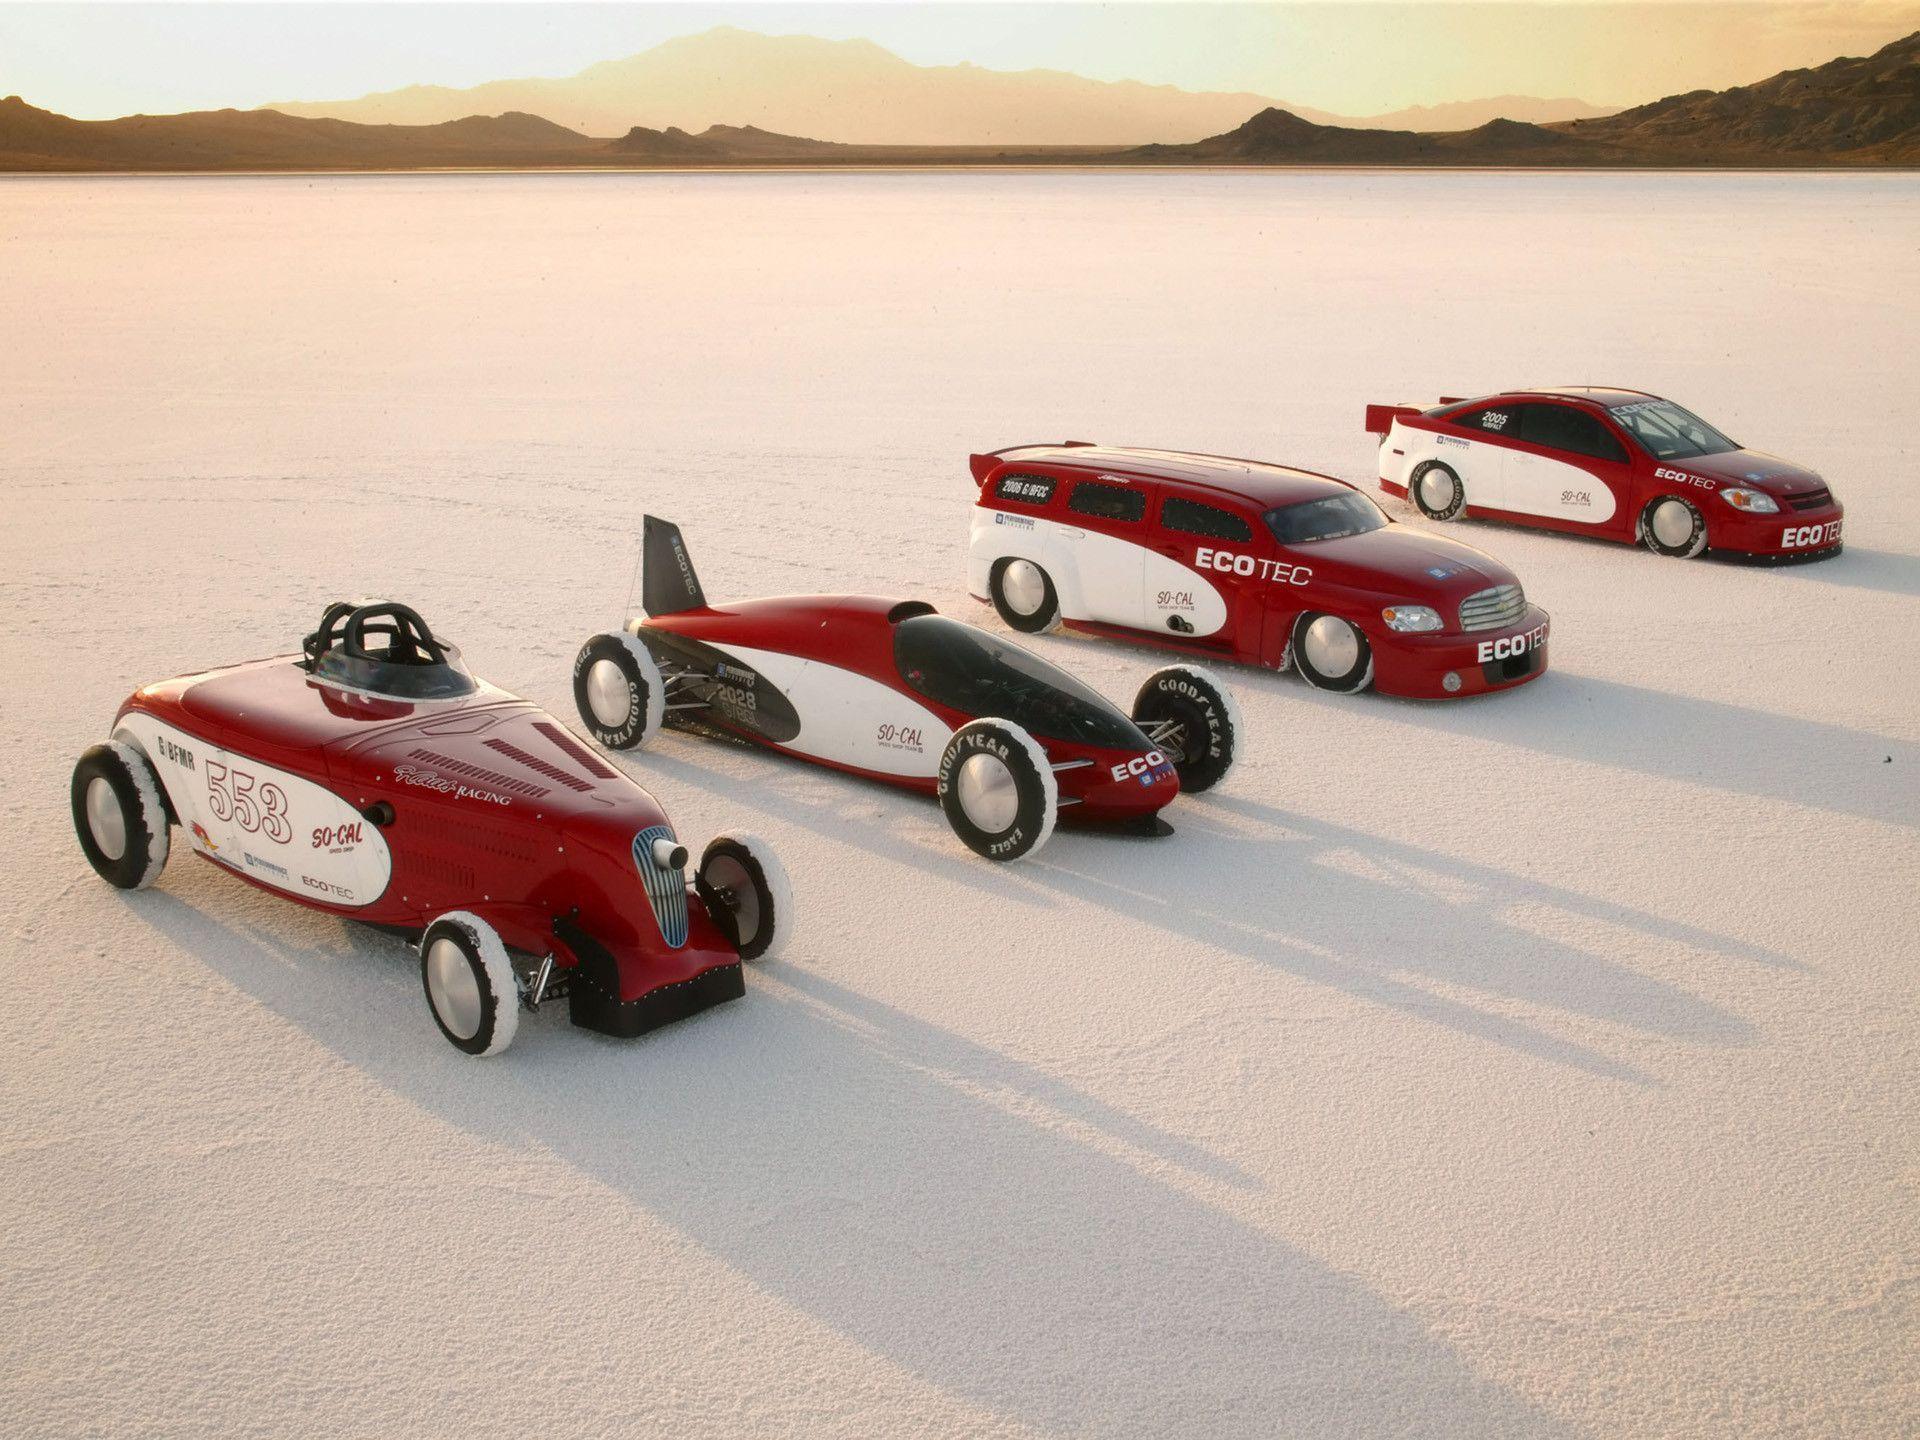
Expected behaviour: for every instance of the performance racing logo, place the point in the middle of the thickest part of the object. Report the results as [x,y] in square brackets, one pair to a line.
[1511,647]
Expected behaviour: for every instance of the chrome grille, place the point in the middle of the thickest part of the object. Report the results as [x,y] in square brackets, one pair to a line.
[666,889]
[1490,609]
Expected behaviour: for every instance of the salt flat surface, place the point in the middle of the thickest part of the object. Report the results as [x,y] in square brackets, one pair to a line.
[1540,1065]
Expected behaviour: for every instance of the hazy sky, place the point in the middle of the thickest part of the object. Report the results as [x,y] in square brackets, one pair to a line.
[102,60]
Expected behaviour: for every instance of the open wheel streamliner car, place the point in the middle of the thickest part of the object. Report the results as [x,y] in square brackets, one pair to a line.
[374,778]
[1620,464]
[1256,563]
[891,690]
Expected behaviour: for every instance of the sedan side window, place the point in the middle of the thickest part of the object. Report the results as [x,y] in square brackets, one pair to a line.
[1496,420]
[1190,517]
[1106,502]
[1561,427]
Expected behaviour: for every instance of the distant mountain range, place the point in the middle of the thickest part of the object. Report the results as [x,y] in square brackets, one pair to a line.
[1846,112]
[855,92]
[1853,112]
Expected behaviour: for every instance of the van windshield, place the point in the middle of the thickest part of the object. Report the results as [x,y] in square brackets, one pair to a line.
[979,675]
[1331,517]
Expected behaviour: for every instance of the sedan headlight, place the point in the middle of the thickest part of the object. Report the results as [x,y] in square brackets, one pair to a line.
[1413,619]
[1754,502]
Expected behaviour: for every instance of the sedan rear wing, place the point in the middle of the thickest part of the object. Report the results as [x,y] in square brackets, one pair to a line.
[982,465]
[1380,418]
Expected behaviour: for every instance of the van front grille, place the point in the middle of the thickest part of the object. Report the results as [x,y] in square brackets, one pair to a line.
[1491,609]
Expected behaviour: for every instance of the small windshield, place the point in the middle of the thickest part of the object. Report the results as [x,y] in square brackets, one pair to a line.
[401,679]
[1331,517]
[981,676]
[1667,432]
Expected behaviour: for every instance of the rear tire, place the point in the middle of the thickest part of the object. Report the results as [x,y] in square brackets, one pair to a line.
[1190,717]
[120,815]
[1673,527]
[618,691]
[1331,653]
[1436,491]
[471,990]
[746,892]
[1023,593]
[996,786]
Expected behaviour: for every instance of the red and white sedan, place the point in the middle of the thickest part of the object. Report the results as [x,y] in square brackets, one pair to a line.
[1619,464]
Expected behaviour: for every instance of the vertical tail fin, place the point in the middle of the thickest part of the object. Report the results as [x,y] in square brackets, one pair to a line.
[667,582]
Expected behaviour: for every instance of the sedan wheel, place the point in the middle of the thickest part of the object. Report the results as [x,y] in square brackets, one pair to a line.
[1671,526]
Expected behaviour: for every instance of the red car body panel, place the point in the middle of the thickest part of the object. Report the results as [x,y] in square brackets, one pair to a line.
[1255,588]
[1559,487]
[490,807]
[855,635]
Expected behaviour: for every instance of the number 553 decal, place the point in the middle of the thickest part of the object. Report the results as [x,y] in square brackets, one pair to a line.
[245,814]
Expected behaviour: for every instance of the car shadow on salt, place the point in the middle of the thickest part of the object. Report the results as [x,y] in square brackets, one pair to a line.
[1708,743]
[1882,570]
[1373,932]
[865,1168]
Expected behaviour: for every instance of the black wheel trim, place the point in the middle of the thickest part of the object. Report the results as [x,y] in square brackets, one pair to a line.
[608,647]
[1041,619]
[1029,819]
[102,763]
[1345,684]
[490,1002]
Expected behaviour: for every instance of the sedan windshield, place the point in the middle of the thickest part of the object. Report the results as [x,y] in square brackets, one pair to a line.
[980,676]
[1667,432]
[1331,517]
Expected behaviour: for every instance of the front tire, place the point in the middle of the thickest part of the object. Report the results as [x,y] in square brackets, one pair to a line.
[996,786]
[120,816]
[469,983]
[1437,492]
[1191,718]
[618,691]
[1673,527]
[1023,593]
[746,892]
[1331,653]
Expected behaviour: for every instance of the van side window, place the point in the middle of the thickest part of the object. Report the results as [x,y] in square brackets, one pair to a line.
[1106,502]
[1024,489]
[1190,517]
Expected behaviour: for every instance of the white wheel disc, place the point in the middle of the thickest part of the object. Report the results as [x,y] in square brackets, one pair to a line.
[988,793]
[1436,490]
[1332,647]
[609,694]
[106,819]
[1024,587]
[737,891]
[453,988]
[1672,524]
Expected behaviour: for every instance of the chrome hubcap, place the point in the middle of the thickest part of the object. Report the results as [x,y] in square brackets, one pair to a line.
[1672,524]
[729,877]
[454,990]
[987,793]
[106,819]
[1436,488]
[1332,647]
[609,694]
[1024,587]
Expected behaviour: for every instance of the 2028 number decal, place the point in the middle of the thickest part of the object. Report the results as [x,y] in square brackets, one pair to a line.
[233,795]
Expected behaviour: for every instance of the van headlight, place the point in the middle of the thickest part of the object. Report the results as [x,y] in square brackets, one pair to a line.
[1754,502]
[1411,619]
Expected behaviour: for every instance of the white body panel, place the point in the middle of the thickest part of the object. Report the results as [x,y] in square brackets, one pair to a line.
[849,719]
[1560,489]
[1480,466]
[278,828]
[1097,577]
